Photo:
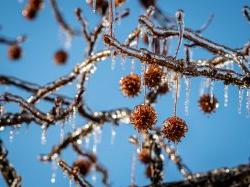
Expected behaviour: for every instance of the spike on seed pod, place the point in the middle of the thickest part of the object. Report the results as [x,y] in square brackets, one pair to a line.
[36,4]
[60,57]
[83,166]
[174,128]
[153,76]
[208,103]
[144,155]
[14,52]
[130,85]
[143,117]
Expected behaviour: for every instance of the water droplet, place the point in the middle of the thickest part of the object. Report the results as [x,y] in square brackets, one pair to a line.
[53,175]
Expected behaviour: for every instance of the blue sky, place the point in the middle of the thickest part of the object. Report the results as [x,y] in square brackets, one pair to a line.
[219,140]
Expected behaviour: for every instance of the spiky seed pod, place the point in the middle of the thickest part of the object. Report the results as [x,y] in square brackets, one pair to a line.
[208,103]
[83,166]
[153,76]
[60,56]
[29,12]
[174,128]
[143,117]
[14,52]
[144,155]
[130,85]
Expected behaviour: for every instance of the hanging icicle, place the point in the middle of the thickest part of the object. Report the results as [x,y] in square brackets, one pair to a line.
[123,61]
[133,168]
[73,119]
[241,96]
[248,104]
[225,95]
[113,59]
[132,65]
[113,134]
[187,95]
[44,134]
[53,174]
[94,5]
[62,132]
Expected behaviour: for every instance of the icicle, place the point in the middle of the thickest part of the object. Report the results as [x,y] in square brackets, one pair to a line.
[133,65]
[241,96]
[11,135]
[211,89]
[70,182]
[87,140]
[187,95]
[73,121]
[150,43]
[62,132]
[133,168]
[123,61]
[248,104]
[44,135]
[162,45]
[53,175]
[113,134]
[225,95]
[94,5]
[2,110]
[113,60]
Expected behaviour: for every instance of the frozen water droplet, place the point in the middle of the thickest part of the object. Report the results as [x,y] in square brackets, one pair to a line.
[2,110]
[225,95]
[70,182]
[187,95]
[73,122]
[241,96]
[87,141]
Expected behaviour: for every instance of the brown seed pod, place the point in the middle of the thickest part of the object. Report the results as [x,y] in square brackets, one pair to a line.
[208,103]
[144,155]
[153,76]
[36,4]
[143,117]
[83,166]
[14,52]
[130,85]
[174,128]
[163,88]
[29,12]
[60,57]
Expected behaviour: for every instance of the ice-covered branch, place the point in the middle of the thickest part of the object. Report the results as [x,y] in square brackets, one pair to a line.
[193,70]
[9,173]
